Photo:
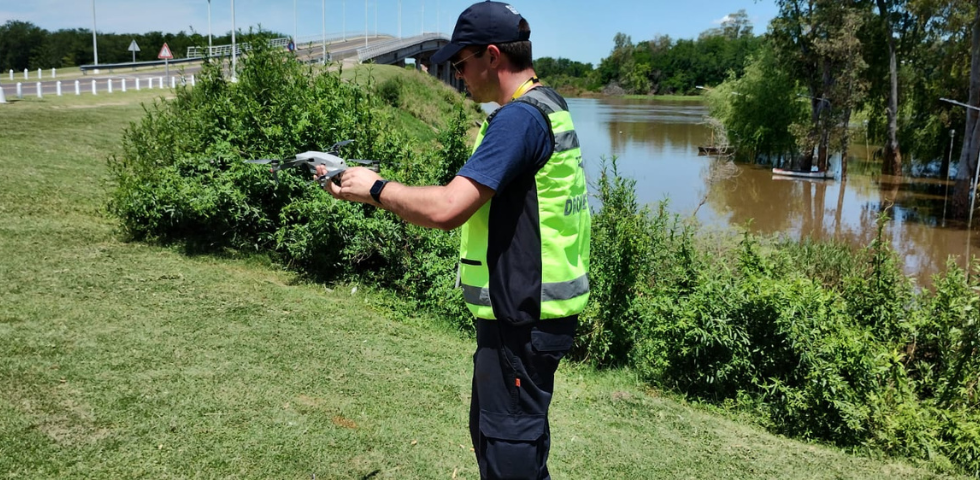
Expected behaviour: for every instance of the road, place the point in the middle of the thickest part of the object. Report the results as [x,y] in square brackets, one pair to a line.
[338,50]
[50,86]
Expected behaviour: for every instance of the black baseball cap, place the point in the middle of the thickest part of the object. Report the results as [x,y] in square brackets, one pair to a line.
[483,23]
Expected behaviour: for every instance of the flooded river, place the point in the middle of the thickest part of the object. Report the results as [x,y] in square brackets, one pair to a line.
[656,144]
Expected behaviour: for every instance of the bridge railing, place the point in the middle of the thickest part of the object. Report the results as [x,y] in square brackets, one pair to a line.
[225,50]
[380,48]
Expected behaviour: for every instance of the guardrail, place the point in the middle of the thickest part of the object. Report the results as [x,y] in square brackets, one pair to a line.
[225,50]
[380,48]
[151,63]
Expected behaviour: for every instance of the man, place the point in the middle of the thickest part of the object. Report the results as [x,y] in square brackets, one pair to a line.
[522,202]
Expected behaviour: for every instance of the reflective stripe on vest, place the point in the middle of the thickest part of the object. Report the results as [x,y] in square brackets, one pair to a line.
[564,222]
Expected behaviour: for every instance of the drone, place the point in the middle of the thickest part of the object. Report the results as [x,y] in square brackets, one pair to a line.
[330,159]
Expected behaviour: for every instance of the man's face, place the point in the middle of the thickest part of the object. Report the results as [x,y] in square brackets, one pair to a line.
[470,64]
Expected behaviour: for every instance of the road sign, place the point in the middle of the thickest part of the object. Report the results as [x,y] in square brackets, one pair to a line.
[133,47]
[165,53]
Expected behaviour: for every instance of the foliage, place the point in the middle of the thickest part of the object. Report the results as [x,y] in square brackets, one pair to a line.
[819,343]
[566,75]
[665,66]
[181,176]
[25,45]
[759,109]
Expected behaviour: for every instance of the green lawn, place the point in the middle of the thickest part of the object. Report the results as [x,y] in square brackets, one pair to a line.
[127,360]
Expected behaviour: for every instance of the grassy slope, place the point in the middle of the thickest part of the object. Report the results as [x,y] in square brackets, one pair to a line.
[125,360]
[424,103]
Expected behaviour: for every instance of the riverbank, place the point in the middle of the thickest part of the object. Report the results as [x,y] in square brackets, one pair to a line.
[130,359]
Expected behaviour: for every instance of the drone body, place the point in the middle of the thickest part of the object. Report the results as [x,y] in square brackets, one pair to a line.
[311,159]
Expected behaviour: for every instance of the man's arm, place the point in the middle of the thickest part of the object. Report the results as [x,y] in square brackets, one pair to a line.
[444,207]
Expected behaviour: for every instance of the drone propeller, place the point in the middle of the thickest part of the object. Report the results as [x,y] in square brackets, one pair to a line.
[338,145]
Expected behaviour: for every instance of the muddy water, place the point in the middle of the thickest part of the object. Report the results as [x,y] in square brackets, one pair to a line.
[656,144]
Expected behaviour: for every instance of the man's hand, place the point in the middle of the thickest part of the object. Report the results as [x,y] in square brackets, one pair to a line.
[355,184]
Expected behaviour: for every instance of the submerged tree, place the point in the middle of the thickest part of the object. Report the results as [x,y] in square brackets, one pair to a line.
[814,40]
[893,17]
[971,141]
[759,109]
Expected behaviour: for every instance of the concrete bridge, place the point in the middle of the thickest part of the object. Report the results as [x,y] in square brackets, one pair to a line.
[420,48]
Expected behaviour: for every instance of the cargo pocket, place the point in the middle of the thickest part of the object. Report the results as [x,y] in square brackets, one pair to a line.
[512,444]
[549,343]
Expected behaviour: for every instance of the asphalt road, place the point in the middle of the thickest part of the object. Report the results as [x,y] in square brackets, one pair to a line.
[153,78]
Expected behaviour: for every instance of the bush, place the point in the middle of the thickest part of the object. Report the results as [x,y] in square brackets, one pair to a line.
[821,343]
[182,178]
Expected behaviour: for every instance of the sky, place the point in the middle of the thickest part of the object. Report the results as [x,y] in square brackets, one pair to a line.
[579,30]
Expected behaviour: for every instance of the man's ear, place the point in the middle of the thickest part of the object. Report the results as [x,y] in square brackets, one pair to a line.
[494,53]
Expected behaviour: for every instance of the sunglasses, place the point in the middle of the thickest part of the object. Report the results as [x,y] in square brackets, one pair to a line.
[461,64]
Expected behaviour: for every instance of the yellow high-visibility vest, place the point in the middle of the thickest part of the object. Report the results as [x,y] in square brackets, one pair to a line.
[524,255]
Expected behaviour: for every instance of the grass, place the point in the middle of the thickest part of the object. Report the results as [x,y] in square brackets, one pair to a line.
[128,360]
[416,95]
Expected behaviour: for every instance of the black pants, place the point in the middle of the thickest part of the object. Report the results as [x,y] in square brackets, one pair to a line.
[513,380]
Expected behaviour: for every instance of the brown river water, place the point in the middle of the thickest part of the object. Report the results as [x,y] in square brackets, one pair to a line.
[656,143]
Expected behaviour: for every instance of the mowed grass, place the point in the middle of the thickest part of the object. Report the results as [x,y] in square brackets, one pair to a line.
[128,360]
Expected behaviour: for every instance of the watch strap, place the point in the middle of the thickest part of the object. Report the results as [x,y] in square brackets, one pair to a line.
[376,189]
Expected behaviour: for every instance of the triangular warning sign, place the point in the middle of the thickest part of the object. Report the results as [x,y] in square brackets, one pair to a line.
[165,53]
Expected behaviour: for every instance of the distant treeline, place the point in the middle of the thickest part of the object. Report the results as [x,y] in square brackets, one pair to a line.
[25,45]
[661,65]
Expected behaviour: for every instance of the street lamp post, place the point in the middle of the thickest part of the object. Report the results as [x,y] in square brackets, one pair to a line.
[209,28]
[973,188]
[234,52]
[323,38]
[95,43]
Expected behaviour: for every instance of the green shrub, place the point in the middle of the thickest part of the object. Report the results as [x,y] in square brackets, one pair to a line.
[818,341]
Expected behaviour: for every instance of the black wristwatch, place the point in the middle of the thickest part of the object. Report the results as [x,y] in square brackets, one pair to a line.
[376,189]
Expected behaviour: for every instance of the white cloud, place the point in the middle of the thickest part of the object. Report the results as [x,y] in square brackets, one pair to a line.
[722,20]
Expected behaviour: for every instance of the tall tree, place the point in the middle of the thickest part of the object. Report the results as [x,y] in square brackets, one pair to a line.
[18,42]
[814,40]
[892,13]
[971,141]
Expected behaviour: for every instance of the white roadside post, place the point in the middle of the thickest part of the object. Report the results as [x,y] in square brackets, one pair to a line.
[54,73]
[109,82]
[25,74]
[193,83]
[137,84]
[59,87]
[39,93]
[124,85]
[78,87]
[160,82]
[93,88]
[11,75]
[39,74]
[173,82]
[3,99]
[20,90]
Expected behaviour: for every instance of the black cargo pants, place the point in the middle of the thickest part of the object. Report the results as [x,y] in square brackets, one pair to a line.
[513,380]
